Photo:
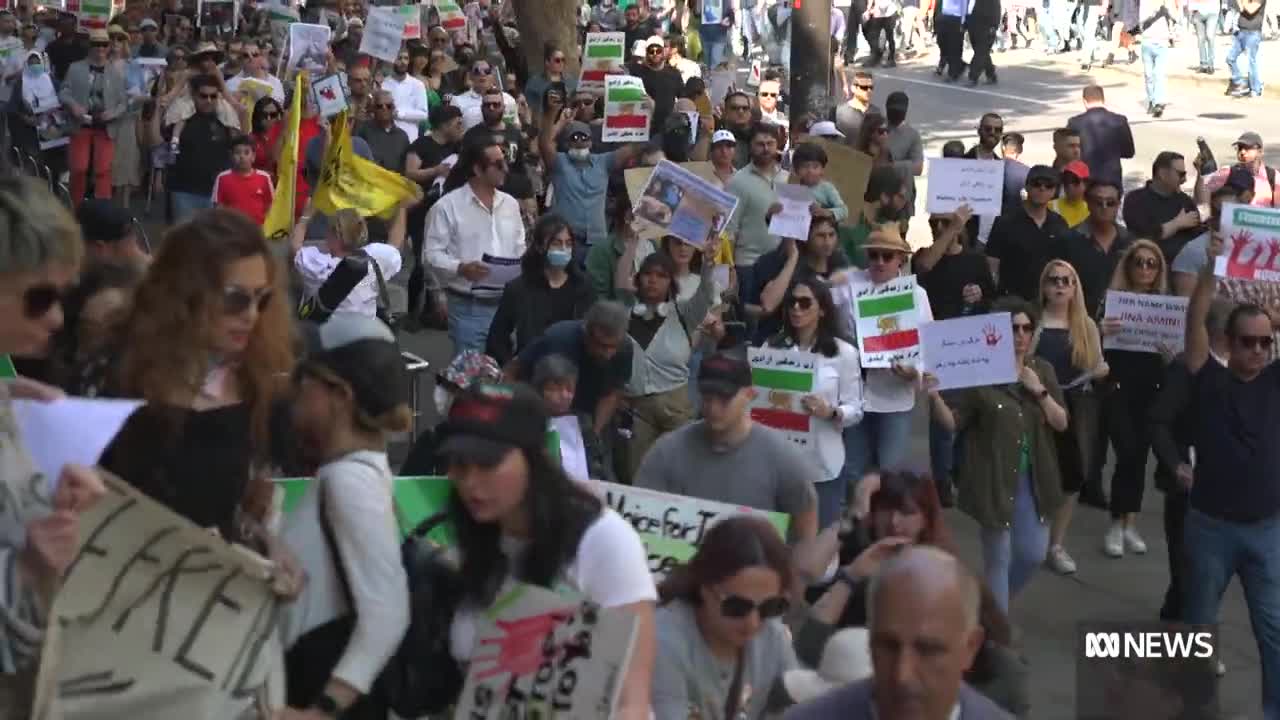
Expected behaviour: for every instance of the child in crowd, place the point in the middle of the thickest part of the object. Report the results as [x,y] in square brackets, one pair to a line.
[581,454]
[243,187]
[809,163]
[1071,204]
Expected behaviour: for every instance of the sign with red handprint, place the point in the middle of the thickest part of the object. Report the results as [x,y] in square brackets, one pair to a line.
[969,351]
[542,654]
[1251,243]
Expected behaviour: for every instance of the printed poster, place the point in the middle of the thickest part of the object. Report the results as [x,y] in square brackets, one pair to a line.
[158,619]
[969,351]
[95,14]
[627,110]
[677,202]
[1251,243]
[782,379]
[452,18]
[672,526]
[796,216]
[1150,322]
[308,48]
[887,321]
[412,21]
[540,654]
[330,95]
[383,33]
[953,182]
[604,54]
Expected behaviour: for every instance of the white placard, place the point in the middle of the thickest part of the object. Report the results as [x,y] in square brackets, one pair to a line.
[604,54]
[886,319]
[1148,322]
[628,110]
[308,48]
[330,95]
[383,33]
[501,271]
[959,181]
[782,379]
[70,430]
[969,351]
[795,218]
[573,451]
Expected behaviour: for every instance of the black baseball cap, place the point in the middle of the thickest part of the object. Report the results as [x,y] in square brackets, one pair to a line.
[102,221]
[1043,172]
[488,420]
[362,352]
[723,375]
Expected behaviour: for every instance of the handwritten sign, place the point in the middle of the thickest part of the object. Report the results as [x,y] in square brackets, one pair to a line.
[383,33]
[158,619]
[795,218]
[627,110]
[603,55]
[1252,243]
[959,181]
[677,202]
[1149,322]
[541,655]
[782,378]
[887,320]
[969,351]
[672,526]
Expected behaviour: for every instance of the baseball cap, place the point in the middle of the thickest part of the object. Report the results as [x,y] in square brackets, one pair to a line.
[487,420]
[654,40]
[1249,139]
[577,127]
[723,375]
[721,136]
[103,221]
[1043,172]
[1077,168]
[825,128]
[362,352]
[148,23]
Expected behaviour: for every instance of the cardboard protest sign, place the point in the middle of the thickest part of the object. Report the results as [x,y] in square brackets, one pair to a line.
[1251,238]
[158,619]
[627,110]
[677,202]
[452,18]
[887,321]
[969,351]
[672,526]
[383,33]
[954,182]
[604,54]
[1150,322]
[308,48]
[782,378]
[540,654]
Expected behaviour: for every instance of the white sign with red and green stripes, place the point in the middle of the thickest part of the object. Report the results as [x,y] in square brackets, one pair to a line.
[604,54]
[626,110]
[452,16]
[888,322]
[782,378]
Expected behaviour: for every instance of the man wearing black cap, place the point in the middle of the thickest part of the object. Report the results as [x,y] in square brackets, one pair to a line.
[1249,160]
[728,457]
[110,234]
[1022,240]
[150,47]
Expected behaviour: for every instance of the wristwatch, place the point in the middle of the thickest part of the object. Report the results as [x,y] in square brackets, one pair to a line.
[327,705]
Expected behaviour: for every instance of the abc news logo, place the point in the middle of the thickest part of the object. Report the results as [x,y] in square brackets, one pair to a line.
[1149,645]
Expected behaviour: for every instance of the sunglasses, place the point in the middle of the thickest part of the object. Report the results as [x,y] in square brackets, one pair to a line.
[236,300]
[737,607]
[881,255]
[1144,263]
[1024,328]
[1105,203]
[493,104]
[1252,342]
[1042,185]
[579,137]
[38,300]
[991,129]
[801,303]
[271,115]
[207,96]
[481,70]
[653,50]
[867,88]
[1060,280]
[768,94]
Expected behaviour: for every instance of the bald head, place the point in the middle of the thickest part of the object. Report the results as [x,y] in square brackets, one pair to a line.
[929,570]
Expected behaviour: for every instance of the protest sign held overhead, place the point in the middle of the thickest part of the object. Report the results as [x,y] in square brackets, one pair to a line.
[452,17]
[330,95]
[954,182]
[603,55]
[677,202]
[782,379]
[627,110]
[793,222]
[308,48]
[158,619]
[969,351]
[412,21]
[383,33]
[1149,323]
[1251,243]
[887,320]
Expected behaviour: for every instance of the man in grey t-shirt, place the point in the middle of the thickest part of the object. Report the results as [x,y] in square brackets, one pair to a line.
[727,457]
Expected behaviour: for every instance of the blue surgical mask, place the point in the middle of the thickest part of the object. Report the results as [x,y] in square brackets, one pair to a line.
[559,258]
[36,70]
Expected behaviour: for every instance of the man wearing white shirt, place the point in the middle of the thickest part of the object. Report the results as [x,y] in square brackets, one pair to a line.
[410,96]
[255,67]
[474,220]
[471,102]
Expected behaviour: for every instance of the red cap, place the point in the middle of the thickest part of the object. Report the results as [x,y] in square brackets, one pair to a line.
[1077,168]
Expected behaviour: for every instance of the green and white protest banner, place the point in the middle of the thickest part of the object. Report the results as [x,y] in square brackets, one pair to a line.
[604,54]
[887,320]
[7,370]
[782,378]
[415,498]
[95,14]
[627,110]
[452,18]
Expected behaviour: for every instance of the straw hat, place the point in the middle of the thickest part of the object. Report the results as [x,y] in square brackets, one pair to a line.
[887,237]
[205,48]
[117,30]
[846,658]
[98,35]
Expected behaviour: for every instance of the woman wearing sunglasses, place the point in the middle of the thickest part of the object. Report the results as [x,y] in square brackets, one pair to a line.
[1009,481]
[1068,340]
[1132,386]
[267,113]
[721,646]
[873,139]
[811,324]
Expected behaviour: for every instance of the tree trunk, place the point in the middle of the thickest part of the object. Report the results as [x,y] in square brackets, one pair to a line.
[548,21]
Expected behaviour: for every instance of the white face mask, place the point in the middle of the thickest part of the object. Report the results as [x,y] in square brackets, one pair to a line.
[444,400]
[579,154]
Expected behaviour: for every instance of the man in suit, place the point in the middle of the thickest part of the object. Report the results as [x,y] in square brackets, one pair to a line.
[922,598]
[1105,137]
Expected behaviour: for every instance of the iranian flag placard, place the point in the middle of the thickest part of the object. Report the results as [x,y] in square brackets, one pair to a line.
[782,378]
[887,321]
[452,18]
[95,14]
[604,53]
[626,110]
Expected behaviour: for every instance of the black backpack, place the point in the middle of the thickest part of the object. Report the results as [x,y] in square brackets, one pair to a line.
[351,270]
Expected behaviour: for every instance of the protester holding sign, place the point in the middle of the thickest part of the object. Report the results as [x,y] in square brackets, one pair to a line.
[721,647]
[518,517]
[1134,382]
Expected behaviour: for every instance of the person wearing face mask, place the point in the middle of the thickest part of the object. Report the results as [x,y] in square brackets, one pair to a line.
[549,289]
[469,367]
[409,94]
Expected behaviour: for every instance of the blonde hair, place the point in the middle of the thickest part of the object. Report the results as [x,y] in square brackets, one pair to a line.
[350,229]
[1086,348]
[1122,279]
[37,230]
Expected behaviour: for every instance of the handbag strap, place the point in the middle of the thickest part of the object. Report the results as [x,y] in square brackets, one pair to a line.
[329,537]
[384,298]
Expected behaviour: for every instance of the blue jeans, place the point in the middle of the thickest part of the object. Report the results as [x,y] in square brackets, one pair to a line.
[1215,551]
[831,496]
[714,51]
[1155,70]
[1011,555]
[186,204]
[1206,27]
[1246,41]
[469,322]
[881,440]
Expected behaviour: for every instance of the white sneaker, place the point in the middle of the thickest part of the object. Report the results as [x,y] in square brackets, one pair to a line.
[1133,541]
[1059,561]
[1113,542]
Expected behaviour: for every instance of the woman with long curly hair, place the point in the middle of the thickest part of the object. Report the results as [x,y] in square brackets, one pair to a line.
[1132,387]
[207,344]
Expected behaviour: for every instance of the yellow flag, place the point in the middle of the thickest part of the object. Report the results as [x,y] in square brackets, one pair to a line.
[350,181]
[279,219]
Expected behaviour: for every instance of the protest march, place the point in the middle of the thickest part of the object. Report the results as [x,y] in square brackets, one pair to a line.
[593,359]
